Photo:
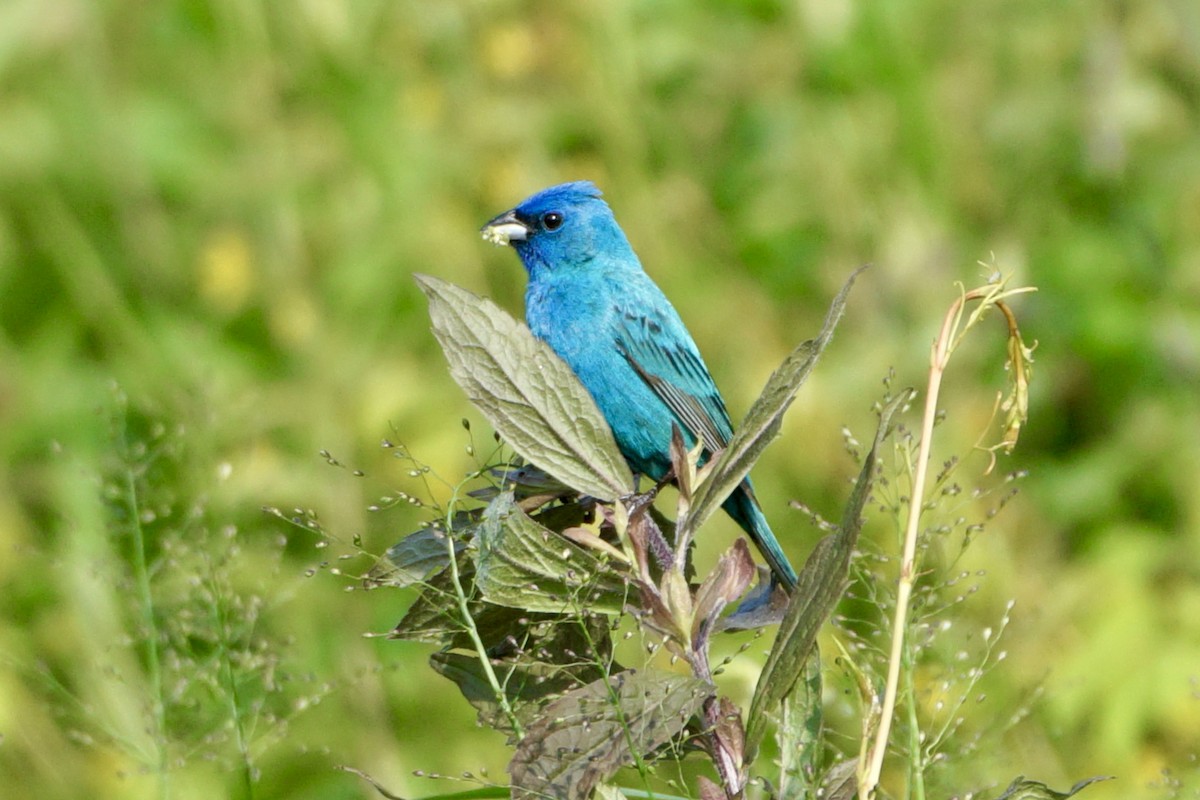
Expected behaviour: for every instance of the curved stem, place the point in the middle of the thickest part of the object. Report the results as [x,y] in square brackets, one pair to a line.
[938,359]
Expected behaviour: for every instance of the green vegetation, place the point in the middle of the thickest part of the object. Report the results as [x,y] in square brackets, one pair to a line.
[210,216]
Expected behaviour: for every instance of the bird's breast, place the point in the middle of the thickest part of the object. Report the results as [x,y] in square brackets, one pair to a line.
[572,320]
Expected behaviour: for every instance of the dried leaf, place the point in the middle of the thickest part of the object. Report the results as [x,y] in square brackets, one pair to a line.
[607,791]
[729,737]
[1016,404]
[841,781]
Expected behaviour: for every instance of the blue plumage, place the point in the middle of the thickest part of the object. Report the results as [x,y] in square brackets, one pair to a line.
[590,300]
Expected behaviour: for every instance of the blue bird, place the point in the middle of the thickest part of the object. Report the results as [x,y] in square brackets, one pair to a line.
[590,300]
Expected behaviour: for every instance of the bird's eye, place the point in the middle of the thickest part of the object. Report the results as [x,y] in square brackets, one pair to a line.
[552,220]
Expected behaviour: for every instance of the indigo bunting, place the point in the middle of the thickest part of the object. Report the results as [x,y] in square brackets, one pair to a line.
[590,300]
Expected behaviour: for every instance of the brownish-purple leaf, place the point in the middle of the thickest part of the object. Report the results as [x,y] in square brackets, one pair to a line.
[724,584]
[709,790]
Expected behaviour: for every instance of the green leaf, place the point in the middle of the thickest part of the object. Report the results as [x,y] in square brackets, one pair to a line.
[434,617]
[821,584]
[763,421]
[526,392]
[585,736]
[799,734]
[1021,789]
[527,685]
[539,658]
[414,559]
[524,565]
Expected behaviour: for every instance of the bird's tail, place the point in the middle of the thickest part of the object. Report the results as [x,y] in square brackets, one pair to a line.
[744,508]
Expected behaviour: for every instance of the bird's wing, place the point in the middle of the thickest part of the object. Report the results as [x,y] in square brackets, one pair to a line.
[662,352]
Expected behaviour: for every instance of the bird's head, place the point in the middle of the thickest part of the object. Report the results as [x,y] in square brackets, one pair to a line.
[559,229]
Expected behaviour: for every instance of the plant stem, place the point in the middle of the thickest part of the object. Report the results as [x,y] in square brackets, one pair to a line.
[916,750]
[954,328]
[146,599]
[464,609]
[939,357]
[222,622]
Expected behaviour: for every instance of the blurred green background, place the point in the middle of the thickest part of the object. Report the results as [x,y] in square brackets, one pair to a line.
[214,209]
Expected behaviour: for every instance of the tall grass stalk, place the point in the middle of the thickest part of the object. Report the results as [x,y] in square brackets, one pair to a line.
[953,329]
[222,624]
[141,573]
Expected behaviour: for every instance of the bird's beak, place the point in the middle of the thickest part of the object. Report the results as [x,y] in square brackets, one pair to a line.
[505,229]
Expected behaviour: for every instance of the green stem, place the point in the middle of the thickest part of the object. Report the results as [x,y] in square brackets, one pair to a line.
[221,614]
[639,762]
[146,598]
[464,610]
[916,751]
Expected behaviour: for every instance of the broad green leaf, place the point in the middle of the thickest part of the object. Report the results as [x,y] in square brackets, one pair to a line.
[1021,789]
[414,559]
[434,617]
[763,421]
[532,486]
[821,584]
[526,392]
[534,656]
[525,565]
[528,686]
[799,734]
[586,735]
